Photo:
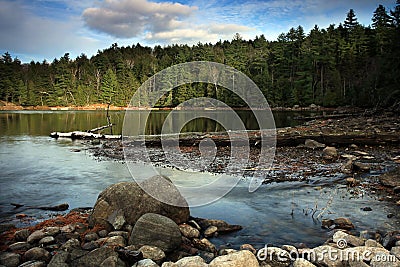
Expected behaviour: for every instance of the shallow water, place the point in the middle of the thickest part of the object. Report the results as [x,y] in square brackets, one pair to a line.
[37,170]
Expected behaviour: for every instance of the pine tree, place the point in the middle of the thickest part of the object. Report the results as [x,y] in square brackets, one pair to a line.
[351,20]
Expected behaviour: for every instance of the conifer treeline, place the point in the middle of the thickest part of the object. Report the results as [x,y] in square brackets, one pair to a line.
[348,64]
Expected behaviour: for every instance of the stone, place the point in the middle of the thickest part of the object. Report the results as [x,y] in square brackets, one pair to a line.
[117,219]
[329,153]
[69,228]
[9,259]
[396,190]
[112,261]
[206,256]
[357,263]
[225,251]
[4,227]
[249,248]
[103,233]
[21,246]
[223,227]
[390,178]
[51,231]
[94,258]
[243,258]
[352,181]
[274,256]
[91,237]
[119,233]
[322,256]
[350,240]
[115,241]
[90,245]
[21,235]
[204,244]
[39,254]
[153,253]
[395,251]
[210,231]
[145,263]
[70,245]
[309,143]
[133,202]
[156,230]
[343,223]
[372,243]
[347,167]
[367,209]
[36,236]
[189,231]
[302,263]
[59,259]
[390,239]
[46,240]
[33,264]
[361,167]
[194,261]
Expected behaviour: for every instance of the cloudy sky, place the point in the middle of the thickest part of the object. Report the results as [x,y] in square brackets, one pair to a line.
[46,29]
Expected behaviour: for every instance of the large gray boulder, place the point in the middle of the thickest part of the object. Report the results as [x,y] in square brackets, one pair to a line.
[125,202]
[156,230]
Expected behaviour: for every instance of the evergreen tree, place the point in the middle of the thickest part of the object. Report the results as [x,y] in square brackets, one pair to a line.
[351,20]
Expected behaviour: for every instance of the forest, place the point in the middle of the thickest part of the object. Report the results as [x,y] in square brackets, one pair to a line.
[342,65]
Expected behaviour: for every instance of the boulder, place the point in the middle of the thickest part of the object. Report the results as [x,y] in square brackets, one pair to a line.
[343,239]
[9,259]
[204,244]
[145,263]
[127,202]
[329,153]
[195,261]
[210,231]
[302,263]
[156,230]
[243,258]
[36,253]
[113,261]
[21,235]
[189,231]
[33,264]
[21,246]
[94,258]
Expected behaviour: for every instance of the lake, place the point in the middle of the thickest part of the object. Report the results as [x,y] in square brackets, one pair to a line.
[38,170]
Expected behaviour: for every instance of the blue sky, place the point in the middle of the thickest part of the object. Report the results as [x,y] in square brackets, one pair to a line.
[46,29]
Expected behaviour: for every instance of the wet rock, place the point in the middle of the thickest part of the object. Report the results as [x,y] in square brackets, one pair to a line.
[249,248]
[367,209]
[210,231]
[243,258]
[204,244]
[51,231]
[21,235]
[36,236]
[145,263]
[390,178]
[46,241]
[347,167]
[33,264]
[189,231]
[153,253]
[350,239]
[38,254]
[206,256]
[68,228]
[343,223]
[156,230]
[94,258]
[9,259]
[91,237]
[352,181]
[113,261]
[222,226]
[274,256]
[329,153]
[390,239]
[22,246]
[309,143]
[225,251]
[134,202]
[361,167]
[302,263]
[129,255]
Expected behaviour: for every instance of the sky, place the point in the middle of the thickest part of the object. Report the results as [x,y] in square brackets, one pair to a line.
[47,29]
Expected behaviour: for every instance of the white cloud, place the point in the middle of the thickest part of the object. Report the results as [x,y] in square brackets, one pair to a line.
[37,38]
[130,18]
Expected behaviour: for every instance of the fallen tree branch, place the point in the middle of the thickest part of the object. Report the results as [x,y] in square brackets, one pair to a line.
[61,207]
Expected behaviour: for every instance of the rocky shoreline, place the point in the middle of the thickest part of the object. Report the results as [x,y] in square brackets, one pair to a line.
[127,227]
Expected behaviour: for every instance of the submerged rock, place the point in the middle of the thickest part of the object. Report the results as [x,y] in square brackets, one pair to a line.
[329,153]
[126,202]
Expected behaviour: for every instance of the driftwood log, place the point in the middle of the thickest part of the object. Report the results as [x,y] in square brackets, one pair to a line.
[84,135]
[61,207]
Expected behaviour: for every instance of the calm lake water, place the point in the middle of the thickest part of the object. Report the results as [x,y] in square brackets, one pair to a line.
[38,170]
